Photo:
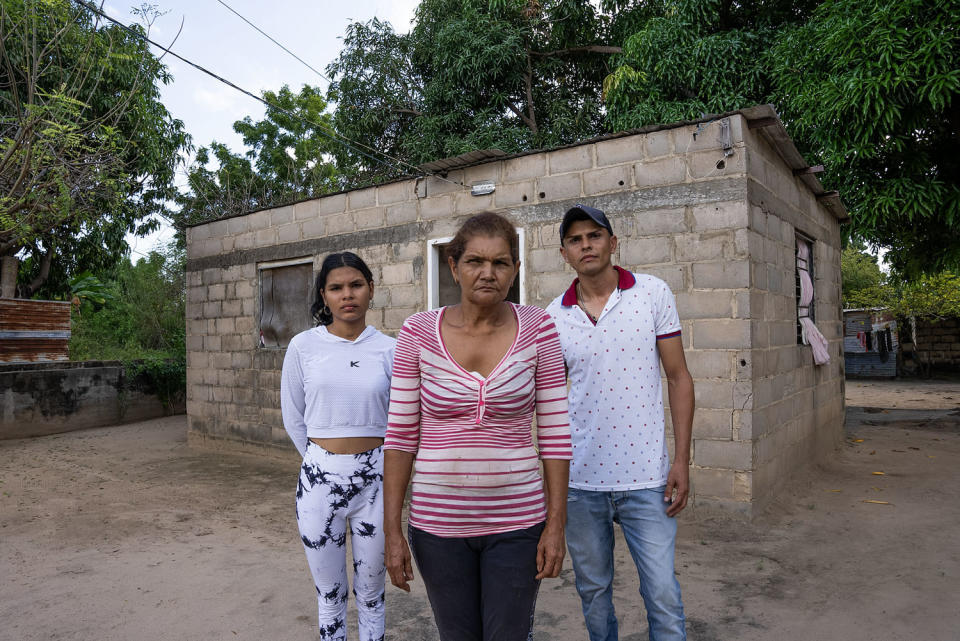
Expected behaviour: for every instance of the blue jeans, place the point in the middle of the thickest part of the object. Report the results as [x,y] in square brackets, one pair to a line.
[650,536]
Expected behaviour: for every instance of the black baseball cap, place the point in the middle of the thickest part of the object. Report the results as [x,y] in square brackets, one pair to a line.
[582,212]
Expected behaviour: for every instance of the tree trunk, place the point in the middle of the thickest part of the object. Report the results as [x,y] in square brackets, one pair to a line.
[9,266]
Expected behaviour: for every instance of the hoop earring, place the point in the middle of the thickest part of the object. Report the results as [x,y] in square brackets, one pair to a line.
[326,310]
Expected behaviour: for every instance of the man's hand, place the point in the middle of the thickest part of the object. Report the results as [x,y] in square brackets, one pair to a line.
[678,488]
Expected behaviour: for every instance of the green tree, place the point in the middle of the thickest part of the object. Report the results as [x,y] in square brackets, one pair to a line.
[288,158]
[861,276]
[138,312]
[696,57]
[87,151]
[472,74]
[869,89]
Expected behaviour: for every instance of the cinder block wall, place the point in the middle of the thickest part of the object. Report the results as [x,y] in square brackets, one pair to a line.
[938,343]
[684,210]
[796,410]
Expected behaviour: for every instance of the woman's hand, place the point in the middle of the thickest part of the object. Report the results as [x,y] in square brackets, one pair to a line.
[396,556]
[550,551]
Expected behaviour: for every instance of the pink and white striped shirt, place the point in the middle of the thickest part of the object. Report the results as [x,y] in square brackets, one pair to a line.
[476,470]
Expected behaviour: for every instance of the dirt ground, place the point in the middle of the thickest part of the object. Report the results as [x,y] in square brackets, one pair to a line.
[126,533]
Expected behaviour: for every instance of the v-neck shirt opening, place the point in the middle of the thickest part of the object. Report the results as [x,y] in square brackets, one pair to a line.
[474,374]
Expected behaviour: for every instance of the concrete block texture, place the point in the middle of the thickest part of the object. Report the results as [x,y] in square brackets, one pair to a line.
[675,276]
[730,455]
[712,423]
[401,213]
[394,192]
[306,210]
[696,247]
[314,228]
[646,251]
[436,207]
[601,181]
[482,173]
[289,233]
[572,159]
[726,215]
[710,363]
[714,394]
[510,194]
[712,482]
[545,260]
[399,274]
[340,224]
[524,168]
[332,204]
[369,218]
[710,164]
[705,304]
[362,198]
[619,150]
[658,143]
[721,334]
[559,187]
[659,221]
[281,216]
[721,275]
[665,171]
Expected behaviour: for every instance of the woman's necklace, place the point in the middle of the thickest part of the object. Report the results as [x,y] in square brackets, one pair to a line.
[583,305]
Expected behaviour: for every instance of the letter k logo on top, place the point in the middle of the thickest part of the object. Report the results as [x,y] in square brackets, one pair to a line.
[354,363]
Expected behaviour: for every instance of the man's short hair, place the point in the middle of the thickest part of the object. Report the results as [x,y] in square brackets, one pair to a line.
[583,212]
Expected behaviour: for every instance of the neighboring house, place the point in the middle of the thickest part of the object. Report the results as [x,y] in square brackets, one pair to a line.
[871,346]
[717,208]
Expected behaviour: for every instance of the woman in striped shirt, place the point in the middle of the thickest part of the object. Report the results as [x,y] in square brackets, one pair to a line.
[467,380]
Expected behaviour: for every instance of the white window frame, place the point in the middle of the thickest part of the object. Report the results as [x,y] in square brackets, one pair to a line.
[435,262]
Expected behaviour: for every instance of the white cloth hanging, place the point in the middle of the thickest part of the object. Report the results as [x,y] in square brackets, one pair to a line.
[811,335]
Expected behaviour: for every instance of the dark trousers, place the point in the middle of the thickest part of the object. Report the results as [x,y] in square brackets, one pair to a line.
[481,588]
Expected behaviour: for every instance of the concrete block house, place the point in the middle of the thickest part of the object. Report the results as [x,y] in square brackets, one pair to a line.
[717,208]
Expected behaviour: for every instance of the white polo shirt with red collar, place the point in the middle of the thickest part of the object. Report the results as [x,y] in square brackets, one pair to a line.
[616,398]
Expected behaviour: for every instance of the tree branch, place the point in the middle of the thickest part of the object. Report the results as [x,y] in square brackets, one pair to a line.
[44,273]
[587,49]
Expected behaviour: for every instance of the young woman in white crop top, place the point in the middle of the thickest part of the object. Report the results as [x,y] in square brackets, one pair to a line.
[334,395]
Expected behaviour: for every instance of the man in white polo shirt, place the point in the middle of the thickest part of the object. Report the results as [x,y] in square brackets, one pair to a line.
[616,329]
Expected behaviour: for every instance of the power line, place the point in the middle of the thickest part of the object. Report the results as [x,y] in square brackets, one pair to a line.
[268,37]
[321,128]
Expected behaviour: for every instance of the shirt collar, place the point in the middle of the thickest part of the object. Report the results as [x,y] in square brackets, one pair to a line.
[625,280]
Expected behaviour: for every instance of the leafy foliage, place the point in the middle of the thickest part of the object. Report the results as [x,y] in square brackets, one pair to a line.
[697,57]
[869,89]
[87,287]
[472,74]
[165,377]
[87,151]
[142,313]
[287,159]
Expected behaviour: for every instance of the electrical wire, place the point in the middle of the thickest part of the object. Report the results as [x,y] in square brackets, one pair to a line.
[321,128]
[270,38]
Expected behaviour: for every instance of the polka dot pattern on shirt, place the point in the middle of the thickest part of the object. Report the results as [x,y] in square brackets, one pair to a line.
[616,396]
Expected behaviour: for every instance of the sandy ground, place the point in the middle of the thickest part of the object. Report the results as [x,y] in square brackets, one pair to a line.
[126,533]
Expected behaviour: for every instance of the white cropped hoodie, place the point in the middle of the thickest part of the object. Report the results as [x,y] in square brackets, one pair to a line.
[333,388]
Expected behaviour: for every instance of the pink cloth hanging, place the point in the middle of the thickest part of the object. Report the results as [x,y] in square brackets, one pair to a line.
[811,335]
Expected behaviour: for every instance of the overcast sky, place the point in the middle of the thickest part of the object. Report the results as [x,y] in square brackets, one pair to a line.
[215,38]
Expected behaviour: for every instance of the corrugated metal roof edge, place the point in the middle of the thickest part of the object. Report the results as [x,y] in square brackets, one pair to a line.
[780,141]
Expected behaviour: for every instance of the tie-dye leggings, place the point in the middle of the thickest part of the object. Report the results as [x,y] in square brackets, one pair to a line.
[337,492]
